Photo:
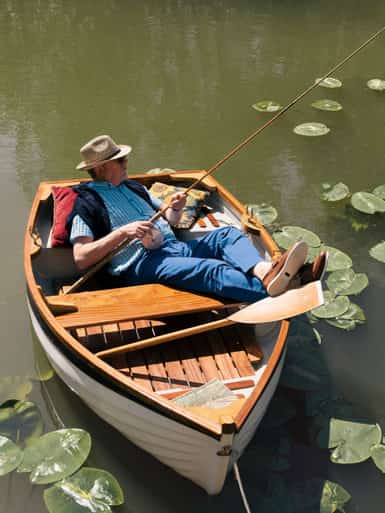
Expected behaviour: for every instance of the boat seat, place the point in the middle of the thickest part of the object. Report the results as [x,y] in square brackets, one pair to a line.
[128,303]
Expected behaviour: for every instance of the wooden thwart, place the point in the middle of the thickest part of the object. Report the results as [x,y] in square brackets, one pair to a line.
[130,303]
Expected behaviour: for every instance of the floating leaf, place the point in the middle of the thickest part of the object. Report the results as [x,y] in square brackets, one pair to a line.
[334,192]
[329,105]
[350,319]
[329,82]
[377,453]
[288,235]
[376,84]
[316,495]
[378,251]
[43,368]
[333,306]
[56,455]
[367,202]
[14,388]
[337,259]
[90,489]
[346,282]
[352,440]
[10,455]
[267,106]
[265,213]
[311,129]
[380,191]
[21,422]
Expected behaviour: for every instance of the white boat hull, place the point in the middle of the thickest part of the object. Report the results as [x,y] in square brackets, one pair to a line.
[189,452]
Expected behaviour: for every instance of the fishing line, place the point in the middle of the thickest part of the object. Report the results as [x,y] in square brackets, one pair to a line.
[233,152]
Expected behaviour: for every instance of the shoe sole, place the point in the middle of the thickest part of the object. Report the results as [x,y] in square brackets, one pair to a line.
[325,266]
[295,259]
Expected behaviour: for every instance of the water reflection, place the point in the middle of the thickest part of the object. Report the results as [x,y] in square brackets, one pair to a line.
[177,80]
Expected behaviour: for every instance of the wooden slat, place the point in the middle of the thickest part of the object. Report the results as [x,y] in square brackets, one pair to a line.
[129,303]
[136,364]
[247,336]
[238,354]
[156,370]
[174,366]
[190,364]
[222,358]
[206,359]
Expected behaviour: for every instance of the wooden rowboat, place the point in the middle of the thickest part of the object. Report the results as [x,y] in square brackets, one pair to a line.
[135,391]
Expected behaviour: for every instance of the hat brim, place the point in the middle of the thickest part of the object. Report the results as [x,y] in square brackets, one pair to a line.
[124,150]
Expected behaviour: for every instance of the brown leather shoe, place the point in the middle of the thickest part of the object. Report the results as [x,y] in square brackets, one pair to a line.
[285,268]
[316,270]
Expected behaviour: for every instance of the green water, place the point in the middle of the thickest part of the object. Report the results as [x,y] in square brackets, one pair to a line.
[176,80]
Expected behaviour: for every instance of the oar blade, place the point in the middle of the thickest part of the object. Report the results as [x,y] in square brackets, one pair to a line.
[289,304]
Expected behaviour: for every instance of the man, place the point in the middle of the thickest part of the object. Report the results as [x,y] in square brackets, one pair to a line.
[111,209]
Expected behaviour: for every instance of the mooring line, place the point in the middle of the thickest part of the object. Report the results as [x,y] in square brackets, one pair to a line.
[241,489]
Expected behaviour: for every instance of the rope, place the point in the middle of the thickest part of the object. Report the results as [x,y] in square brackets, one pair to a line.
[233,152]
[241,489]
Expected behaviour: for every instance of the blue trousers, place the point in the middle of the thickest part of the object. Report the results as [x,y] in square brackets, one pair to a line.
[217,263]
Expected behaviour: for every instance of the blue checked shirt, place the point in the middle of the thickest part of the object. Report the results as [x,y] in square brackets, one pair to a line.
[123,206]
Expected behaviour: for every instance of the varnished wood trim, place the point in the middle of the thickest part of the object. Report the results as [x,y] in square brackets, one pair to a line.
[151,399]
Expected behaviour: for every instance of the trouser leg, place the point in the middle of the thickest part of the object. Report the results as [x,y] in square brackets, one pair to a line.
[228,244]
[208,276]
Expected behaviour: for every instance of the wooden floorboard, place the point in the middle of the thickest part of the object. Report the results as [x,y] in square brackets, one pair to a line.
[190,364]
[231,340]
[222,358]
[174,367]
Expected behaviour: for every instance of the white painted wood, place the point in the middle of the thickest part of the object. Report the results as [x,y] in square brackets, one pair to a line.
[189,452]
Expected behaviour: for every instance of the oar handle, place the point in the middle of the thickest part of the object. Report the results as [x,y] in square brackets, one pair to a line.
[167,337]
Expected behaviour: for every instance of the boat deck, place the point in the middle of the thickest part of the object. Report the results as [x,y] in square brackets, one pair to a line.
[230,354]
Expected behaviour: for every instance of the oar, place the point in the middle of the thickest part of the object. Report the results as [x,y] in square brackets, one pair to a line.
[289,304]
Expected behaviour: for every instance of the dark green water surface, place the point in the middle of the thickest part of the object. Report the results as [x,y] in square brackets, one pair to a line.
[176,80]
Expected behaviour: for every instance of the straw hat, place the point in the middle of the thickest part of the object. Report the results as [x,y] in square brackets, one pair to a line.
[99,150]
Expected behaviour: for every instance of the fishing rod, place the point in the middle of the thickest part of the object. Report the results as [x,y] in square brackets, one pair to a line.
[233,152]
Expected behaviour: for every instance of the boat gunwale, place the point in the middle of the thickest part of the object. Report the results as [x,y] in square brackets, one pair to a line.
[125,384]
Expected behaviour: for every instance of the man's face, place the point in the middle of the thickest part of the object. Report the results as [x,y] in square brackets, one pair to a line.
[115,171]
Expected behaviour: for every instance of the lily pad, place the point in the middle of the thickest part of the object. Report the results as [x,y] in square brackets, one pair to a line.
[352,440]
[346,282]
[56,455]
[334,192]
[367,202]
[378,251]
[350,319]
[380,191]
[266,213]
[311,129]
[21,422]
[333,306]
[14,387]
[338,260]
[89,490]
[376,84]
[330,105]
[329,82]
[316,495]
[377,453]
[267,106]
[10,455]
[288,235]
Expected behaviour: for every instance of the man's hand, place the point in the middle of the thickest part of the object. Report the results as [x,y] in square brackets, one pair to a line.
[178,201]
[137,230]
